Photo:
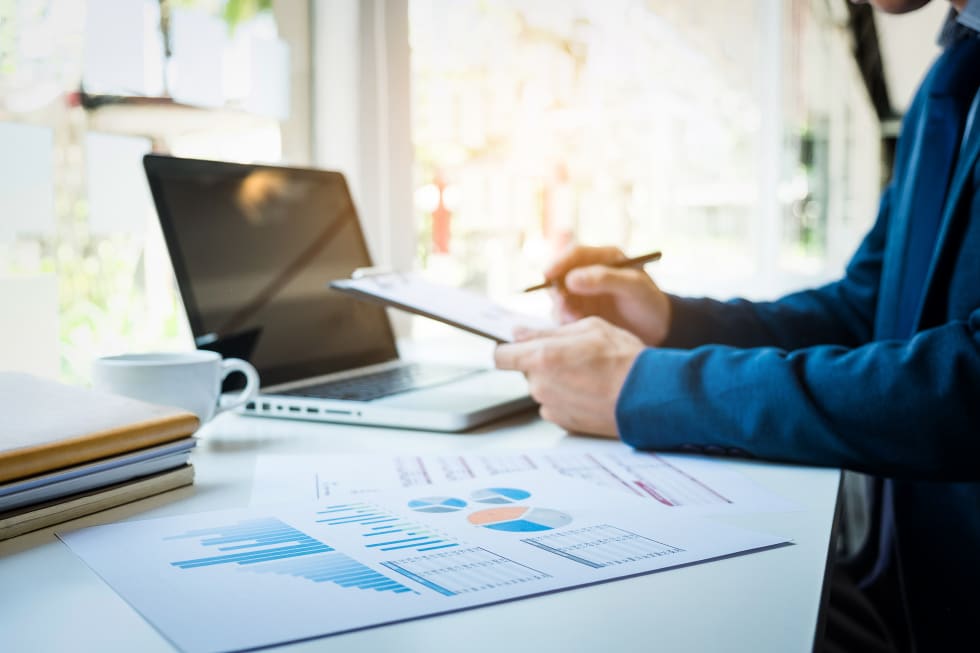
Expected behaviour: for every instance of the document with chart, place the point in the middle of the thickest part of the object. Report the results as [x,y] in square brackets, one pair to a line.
[240,579]
[684,482]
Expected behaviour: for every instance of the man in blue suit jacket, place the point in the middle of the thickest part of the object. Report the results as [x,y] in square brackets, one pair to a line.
[878,372]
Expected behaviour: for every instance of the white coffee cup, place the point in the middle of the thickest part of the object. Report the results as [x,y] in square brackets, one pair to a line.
[190,380]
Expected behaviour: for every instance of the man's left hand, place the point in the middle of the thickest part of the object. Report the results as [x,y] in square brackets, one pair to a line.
[575,372]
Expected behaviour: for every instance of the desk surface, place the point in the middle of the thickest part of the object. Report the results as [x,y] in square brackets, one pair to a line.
[766,601]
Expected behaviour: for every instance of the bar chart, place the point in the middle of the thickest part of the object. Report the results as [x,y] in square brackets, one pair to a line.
[464,571]
[246,543]
[272,546]
[602,546]
[335,568]
[383,531]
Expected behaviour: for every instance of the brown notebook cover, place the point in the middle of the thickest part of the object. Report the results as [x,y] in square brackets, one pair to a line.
[46,425]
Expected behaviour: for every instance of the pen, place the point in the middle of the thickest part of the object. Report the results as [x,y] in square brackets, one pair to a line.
[636,261]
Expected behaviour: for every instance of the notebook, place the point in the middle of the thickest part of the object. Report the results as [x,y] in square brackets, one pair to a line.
[31,518]
[94,475]
[48,425]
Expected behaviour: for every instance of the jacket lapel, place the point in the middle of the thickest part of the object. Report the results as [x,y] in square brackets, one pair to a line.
[969,152]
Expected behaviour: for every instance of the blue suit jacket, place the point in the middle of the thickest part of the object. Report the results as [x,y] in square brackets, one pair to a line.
[822,377]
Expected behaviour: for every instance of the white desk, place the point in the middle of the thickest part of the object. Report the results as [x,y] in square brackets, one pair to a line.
[766,601]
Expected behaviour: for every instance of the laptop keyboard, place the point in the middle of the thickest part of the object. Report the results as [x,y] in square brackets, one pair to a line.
[412,376]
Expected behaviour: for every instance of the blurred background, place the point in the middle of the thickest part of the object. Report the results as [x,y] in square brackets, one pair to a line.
[747,139]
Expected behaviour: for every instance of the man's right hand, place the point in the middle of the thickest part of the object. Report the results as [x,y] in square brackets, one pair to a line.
[627,297]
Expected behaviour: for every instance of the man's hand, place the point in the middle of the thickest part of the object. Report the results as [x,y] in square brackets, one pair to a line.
[575,372]
[625,297]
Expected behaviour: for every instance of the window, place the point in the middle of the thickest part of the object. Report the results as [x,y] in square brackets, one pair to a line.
[86,88]
[736,137]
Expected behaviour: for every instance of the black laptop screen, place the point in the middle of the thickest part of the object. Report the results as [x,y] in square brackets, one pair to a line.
[253,248]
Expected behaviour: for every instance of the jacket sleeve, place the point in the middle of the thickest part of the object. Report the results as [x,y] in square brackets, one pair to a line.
[903,409]
[839,313]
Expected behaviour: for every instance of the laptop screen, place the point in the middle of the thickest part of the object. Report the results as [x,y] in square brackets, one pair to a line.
[253,248]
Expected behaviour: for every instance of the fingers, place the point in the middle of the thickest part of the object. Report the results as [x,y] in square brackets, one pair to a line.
[579,256]
[523,334]
[567,316]
[601,279]
[545,414]
[589,323]
[568,308]
[575,388]
[574,425]
[517,356]
[536,348]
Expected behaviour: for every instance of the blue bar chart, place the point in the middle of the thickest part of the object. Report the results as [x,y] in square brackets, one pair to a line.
[246,543]
[383,531]
[463,571]
[272,546]
[602,546]
[335,568]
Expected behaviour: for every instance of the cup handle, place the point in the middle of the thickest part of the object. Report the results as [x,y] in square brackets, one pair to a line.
[251,389]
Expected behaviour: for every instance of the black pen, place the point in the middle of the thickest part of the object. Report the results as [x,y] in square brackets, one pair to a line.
[636,261]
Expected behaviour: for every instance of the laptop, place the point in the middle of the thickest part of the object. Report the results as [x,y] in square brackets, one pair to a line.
[254,248]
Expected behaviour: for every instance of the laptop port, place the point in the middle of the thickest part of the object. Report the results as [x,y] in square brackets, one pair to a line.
[295,409]
[313,410]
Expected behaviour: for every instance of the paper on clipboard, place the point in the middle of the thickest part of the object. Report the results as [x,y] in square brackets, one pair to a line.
[463,309]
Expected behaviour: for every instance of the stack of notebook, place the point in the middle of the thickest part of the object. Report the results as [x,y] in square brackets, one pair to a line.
[67,452]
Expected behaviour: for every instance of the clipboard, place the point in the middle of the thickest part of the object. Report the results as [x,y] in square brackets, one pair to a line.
[457,307]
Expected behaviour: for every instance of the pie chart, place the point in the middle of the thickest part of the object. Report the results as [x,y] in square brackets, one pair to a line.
[500,495]
[437,504]
[519,519]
